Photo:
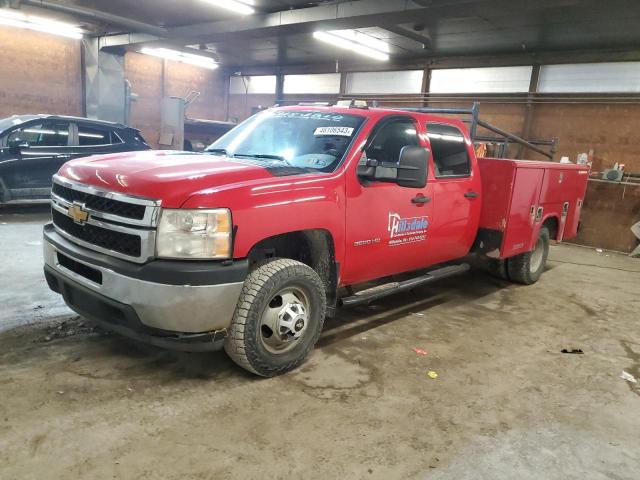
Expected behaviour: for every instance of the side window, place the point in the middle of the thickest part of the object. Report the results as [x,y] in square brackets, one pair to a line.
[390,139]
[45,134]
[115,138]
[93,135]
[449,150]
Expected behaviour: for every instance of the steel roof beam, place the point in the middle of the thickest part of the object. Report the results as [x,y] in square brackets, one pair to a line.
[99,16]
[355,14]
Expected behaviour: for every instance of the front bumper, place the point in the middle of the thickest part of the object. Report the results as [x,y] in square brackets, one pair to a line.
[175,304]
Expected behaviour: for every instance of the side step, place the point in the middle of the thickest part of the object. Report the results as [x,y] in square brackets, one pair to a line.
[370,294]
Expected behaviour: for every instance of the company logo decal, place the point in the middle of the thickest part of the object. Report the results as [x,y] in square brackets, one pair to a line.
[78,213]
[407,229]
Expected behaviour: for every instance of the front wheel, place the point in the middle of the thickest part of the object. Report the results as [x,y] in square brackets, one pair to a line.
[527,268]
[278,319]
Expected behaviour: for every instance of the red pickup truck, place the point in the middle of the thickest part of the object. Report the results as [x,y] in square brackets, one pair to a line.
[251,244]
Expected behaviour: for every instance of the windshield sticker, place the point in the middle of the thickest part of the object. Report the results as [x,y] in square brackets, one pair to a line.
[309,115]
[406,230]
[333,131]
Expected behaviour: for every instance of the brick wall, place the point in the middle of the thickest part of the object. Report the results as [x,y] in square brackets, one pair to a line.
[39,73]
[152,81]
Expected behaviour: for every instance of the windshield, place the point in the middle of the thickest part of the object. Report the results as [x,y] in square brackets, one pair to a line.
[291,138]
[11,121]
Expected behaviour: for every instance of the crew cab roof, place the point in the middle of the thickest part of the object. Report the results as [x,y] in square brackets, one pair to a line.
[375,113]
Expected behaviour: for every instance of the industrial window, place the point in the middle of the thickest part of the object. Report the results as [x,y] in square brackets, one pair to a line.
[259,84]
[590,77]
[481,80]
[88,136]
[390,139]
[449,151]
[324,83]
[390,83]
[45,134]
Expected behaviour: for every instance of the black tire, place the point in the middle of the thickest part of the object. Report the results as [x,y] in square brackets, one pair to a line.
[527,268]
[246,344]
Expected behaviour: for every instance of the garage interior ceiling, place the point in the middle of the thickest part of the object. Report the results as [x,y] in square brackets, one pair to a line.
[280,32]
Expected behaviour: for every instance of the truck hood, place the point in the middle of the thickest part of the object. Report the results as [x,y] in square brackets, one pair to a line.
[171,177]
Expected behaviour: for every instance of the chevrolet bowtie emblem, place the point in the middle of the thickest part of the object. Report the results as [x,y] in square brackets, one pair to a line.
[78,213]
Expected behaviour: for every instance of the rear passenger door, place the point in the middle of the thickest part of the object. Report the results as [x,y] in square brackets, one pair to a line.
[456,190]
[91,139]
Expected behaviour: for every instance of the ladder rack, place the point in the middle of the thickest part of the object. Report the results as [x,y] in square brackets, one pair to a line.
[503,136]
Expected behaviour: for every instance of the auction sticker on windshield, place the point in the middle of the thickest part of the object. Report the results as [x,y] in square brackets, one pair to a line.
[333,131]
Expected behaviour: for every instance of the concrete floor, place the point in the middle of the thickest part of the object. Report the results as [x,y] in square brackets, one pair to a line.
[76,403]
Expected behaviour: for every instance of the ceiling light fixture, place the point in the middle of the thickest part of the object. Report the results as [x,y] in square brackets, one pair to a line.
[40,24]
[177,56]
[357,42]
[243,7]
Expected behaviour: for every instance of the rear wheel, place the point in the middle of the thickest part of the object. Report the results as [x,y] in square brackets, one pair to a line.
[278,319]
[527,268]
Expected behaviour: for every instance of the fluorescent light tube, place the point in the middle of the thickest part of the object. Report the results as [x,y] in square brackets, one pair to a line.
[355,42]
[362,39]
[177,56]
[243,7]
[39,24]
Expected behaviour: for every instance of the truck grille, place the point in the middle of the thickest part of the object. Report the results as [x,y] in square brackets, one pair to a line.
[108,222]
[102,204]
[109,239]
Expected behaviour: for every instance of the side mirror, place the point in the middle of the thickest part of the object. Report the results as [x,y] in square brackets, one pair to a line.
[412,167]
[16,145]
[410,171]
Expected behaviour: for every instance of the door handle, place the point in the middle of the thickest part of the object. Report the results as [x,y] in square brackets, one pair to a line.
[420,200]
[63,156]
[472,195]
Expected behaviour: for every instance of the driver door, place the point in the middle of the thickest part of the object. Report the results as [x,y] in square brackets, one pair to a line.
[46,149]
[386,225]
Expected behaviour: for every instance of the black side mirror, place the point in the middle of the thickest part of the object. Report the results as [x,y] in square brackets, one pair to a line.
[412,167]
[16,145]
[410,171]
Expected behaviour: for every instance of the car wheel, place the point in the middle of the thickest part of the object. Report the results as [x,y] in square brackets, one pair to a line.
[527,268]
[278,319]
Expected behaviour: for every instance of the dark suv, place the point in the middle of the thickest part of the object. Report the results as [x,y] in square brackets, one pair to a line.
[34,147]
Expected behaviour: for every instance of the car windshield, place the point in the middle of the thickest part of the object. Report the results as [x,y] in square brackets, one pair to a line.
[10,122]
[291,138]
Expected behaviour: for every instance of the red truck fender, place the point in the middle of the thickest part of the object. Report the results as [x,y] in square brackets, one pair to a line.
[552,222]
[314,247]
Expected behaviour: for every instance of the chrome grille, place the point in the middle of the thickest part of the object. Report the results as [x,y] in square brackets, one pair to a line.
[109,222]
[102,204]
[124,243]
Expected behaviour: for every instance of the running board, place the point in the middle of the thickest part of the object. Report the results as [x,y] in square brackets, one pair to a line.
[370,294]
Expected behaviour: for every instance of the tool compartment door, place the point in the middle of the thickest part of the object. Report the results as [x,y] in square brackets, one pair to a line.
[578,180]
[521,220]
[561,196]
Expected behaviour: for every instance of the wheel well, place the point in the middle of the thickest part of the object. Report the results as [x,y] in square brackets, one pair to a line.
[4,193]
[314,248]
[552,225]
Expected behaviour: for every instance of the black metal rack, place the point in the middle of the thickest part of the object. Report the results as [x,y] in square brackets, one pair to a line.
[504,136]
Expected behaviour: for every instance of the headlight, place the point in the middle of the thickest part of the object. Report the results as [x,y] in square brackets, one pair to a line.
[195,234]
